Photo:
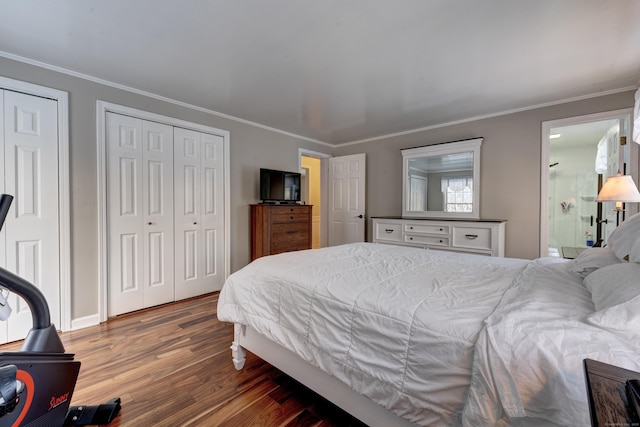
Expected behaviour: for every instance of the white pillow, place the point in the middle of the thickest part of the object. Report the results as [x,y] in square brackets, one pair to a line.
[615,291]
[592,259]
[622,239]
[623,317]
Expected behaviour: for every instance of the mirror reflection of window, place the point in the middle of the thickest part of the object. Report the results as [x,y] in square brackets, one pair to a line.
[442,180]
[458,194]
[418,198]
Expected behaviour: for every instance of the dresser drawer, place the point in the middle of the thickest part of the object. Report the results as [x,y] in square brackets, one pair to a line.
[388,232]
[290,214]
[426,240]
[472,238]
[294,245]
[288,232]
[426,229]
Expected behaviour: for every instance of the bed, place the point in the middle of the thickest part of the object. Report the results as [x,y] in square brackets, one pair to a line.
[405,336]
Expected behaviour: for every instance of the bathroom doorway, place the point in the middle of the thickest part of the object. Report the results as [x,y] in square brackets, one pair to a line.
[581,152]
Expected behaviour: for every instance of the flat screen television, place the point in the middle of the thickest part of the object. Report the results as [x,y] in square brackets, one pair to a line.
[279,186]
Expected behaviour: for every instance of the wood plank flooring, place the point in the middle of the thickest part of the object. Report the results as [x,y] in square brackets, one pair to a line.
[171,366]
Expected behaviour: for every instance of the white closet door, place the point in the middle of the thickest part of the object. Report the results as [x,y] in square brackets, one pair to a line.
[199,218]
[31,176]
[140,213]
[157,184]
[213,212]
[124,182]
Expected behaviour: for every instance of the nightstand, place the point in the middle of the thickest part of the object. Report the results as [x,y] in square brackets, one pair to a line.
[606,393]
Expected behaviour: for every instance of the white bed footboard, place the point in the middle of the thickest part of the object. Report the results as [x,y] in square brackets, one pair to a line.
[372,414]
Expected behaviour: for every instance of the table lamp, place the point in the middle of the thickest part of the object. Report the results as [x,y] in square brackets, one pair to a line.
[619,189]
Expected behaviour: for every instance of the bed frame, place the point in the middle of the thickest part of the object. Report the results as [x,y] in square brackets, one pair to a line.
[332,389]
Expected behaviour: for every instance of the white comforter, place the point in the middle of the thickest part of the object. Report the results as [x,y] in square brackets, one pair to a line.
[427,334]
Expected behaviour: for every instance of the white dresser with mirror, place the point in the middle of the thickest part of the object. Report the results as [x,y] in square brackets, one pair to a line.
[441,202]
[485,237]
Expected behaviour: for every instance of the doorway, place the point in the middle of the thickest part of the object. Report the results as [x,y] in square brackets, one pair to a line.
[313,166]
[578,155]
[340,215]
[34,135]
[311,194]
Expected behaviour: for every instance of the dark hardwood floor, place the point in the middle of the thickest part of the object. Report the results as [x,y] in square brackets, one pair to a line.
[171,366]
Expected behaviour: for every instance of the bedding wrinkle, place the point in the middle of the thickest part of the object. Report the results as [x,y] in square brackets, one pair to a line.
[399,325]
[538,338]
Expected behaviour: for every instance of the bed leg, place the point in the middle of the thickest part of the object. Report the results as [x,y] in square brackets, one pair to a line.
[238,353]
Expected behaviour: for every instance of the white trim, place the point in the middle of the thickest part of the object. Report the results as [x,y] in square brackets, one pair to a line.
[153,95]
[310,153]
[64,222]
[247,122]
[102,108]
[85,322]
[489,116]
[545,159]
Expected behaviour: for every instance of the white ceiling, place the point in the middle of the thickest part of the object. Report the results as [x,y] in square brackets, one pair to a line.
[338,70]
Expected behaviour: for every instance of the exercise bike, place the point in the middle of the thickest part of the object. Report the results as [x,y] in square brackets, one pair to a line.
[37,382]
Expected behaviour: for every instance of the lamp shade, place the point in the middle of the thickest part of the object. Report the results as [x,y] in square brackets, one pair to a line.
[619,188]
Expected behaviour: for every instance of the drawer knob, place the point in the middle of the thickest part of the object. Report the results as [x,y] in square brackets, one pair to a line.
[410,228]
[291,217]
[471,236]
[389,230]
[440,241]
[440,228]
[410,238]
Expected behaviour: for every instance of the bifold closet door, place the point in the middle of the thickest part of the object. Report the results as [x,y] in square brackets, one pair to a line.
[140,192]
[29,163]
[199,213]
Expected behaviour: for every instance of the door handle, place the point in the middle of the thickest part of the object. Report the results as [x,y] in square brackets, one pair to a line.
[360,216]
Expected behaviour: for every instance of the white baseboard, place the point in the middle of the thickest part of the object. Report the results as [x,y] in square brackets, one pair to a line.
[85,322]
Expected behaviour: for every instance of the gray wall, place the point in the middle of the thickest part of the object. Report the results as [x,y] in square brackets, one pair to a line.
[510,154]
[510,166]
[251,148]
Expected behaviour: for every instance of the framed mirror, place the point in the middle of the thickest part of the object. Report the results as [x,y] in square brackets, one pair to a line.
[442,180]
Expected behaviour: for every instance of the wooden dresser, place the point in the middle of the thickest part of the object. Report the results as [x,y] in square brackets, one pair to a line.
[279,228]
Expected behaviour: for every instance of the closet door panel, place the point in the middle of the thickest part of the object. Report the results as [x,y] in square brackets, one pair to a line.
[140,181]
[158,208]
[126,214]
[213,212]
[188,201]
[31,176]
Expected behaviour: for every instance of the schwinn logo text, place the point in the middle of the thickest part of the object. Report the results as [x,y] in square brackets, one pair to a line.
[57,401]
